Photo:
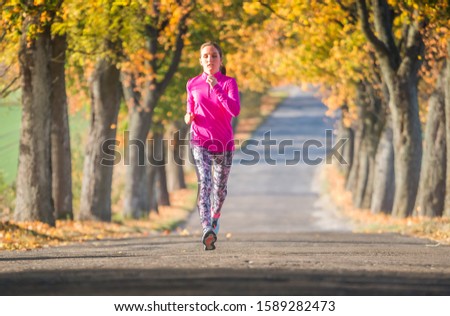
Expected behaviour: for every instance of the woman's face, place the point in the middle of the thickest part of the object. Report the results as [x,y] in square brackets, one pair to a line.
[210,59]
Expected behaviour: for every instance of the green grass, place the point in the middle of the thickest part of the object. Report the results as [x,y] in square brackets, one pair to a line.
[9,137]
[250,104]
[10,116]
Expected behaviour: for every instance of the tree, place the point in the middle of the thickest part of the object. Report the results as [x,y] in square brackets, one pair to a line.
[170,112]
[150,72]
[177,143]
[371,124]
[60,135]
[384,173]
[97,173]
[9,46]
[41,59]
[95,43]
[432,187]
[34,186]
[447,130]
[321,44]
[431,193]
[34,177]
[399,62]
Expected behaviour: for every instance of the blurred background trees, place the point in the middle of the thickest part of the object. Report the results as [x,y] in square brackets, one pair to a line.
[101,87]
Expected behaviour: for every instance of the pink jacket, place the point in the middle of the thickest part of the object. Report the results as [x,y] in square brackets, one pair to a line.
[213,109]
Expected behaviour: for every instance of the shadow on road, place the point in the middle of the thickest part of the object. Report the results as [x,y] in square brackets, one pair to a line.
[220,282]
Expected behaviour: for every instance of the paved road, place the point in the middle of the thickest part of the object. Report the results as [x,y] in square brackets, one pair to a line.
[274,184]
[246,264]
[279,236]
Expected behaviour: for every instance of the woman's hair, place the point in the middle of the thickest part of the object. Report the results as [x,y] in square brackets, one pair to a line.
[222,68]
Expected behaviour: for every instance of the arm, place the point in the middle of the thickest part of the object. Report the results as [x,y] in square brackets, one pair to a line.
[230,100]
[189,117]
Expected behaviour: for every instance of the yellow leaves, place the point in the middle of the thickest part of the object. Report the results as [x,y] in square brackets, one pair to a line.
[338,95]
[252,8]
[29,235]
[25,235]
[7,237]
[121,3]
[437,229]
[45,17]
[59,28]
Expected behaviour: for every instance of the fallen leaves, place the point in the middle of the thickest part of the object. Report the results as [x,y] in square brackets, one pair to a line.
[30,235]
[437,229]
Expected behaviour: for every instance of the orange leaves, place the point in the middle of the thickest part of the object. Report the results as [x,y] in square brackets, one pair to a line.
[437,229]
[30,235]
[23,236]
[137,65]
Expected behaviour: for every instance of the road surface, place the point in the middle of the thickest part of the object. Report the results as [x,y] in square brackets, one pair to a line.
[279,236]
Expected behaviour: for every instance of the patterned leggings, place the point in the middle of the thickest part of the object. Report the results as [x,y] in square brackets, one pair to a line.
[221,164]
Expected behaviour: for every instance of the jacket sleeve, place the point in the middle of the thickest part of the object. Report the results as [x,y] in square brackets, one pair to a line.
[229,98]
[190,99]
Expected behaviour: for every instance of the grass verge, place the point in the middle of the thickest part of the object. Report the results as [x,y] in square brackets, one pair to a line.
[30,235]
[436,229]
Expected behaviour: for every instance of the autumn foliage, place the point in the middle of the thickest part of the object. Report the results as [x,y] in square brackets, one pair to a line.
[338,47]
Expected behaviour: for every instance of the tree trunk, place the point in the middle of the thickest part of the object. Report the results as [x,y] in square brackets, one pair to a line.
[162,192]
[363,184]
[189,162]
[135,203]
[346,151]
[151,175]
[34,176]
[431,193]
[353,172]
[160,151]
[156,173]
[384,175]
[358,176]
[399,67]
[176,135]
[372,121]
[447,131]
[407,143]
[60,134]
[163,68]
[99,160]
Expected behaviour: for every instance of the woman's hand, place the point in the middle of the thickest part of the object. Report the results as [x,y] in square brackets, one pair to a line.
[211,80]
[188,118]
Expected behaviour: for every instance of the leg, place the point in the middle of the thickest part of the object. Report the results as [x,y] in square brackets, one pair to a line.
[222,167]
[203,164]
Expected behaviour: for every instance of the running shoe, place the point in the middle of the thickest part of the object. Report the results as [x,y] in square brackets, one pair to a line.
[209,238]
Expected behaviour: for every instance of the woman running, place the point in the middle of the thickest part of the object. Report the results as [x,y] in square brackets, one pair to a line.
[212,101]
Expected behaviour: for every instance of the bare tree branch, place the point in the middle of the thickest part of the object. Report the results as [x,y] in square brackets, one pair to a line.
[402,42]
[414,48]
[267,6]
[352,14]
[363,13]
[383,20]
[5,91]
[179,44]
